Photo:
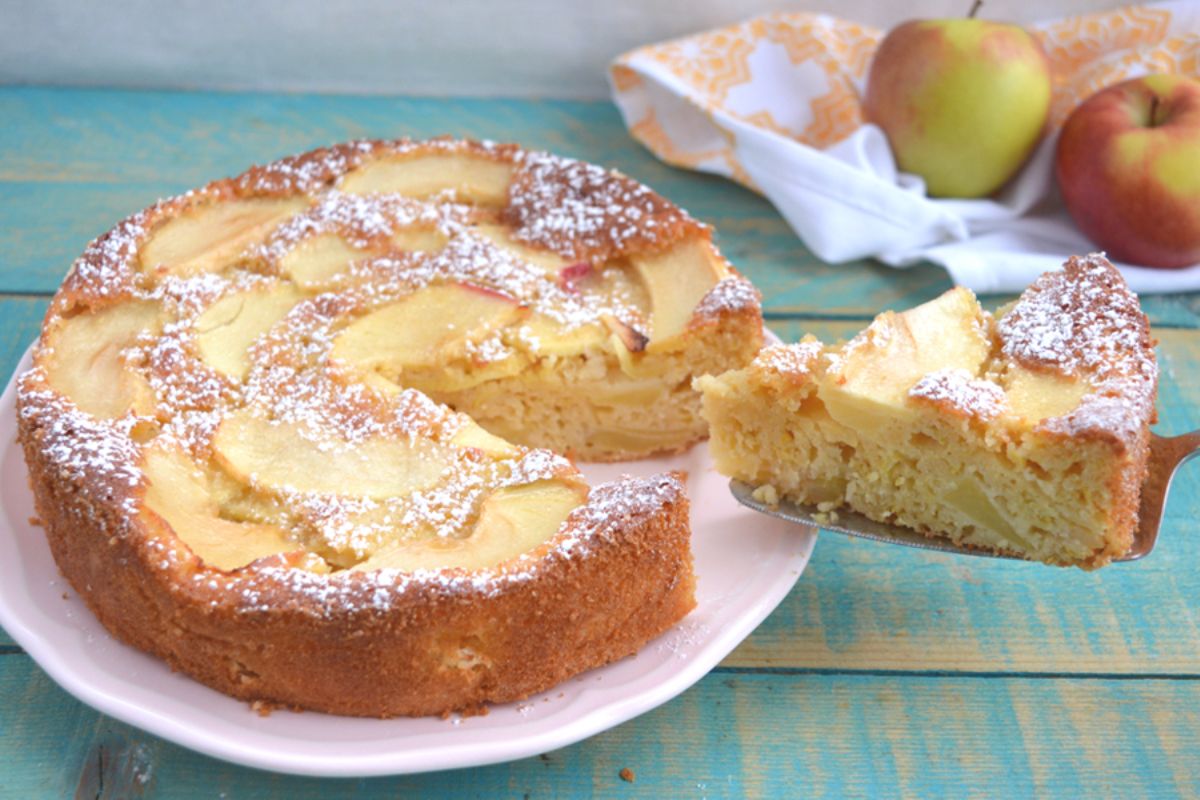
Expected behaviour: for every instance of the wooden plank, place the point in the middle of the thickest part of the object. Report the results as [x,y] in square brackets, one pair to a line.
[73,162]
[865,606]
[45,226]
[733,735]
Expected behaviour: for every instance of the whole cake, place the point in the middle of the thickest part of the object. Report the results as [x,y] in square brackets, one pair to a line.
[300,433]
[1026,433]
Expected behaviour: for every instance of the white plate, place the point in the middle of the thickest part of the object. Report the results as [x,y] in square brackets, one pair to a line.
[745,563]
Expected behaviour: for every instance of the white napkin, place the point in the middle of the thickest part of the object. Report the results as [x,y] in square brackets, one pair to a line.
[773,103]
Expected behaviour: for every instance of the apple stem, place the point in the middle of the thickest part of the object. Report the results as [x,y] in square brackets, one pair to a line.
[1154,111]
[974,9]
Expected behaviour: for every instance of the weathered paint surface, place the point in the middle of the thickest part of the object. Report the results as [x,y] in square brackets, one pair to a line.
[886,672]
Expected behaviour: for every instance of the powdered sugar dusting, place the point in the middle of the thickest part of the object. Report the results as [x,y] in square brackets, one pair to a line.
[958,390]
[582,211]
[789,360]
[1085,322]
[306,172]
[730,295]
[97,458]
[362,221]
[106,267]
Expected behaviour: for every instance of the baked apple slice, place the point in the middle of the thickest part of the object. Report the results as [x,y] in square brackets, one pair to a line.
[472,435]
[87,361]
[512,520]
[419,239]
[317,260]
[677,279]
[278,456]
[472,177]
[176,492]
[417,330]
[547,337]
[868,385]
[227,329]
[501,236]
[1042,395]
[210,237]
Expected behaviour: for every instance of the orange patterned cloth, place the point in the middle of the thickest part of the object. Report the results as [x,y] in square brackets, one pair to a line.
[741,100]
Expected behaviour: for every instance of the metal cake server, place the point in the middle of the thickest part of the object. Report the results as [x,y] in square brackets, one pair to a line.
[1166,455]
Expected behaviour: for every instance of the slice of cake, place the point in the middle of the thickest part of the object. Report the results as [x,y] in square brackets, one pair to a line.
[1024,433]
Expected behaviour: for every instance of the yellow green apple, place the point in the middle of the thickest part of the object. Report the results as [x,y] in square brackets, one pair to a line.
[1128,164]
[963,102]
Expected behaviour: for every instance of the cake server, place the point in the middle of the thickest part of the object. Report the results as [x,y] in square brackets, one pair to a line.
[1167,453]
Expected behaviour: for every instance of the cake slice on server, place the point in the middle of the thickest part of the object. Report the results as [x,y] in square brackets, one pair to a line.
[1024,433]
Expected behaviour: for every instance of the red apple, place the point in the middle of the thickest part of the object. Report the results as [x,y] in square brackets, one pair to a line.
[1128,164]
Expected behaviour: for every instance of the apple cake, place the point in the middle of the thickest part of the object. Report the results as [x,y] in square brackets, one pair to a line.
[305,433]
[1025,433]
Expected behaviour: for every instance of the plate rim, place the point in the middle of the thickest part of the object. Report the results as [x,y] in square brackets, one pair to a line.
[612,711]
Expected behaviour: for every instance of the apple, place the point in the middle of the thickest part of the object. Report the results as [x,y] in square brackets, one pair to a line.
[963,101]
[420,329]
[1128,164]
[676,280]
[210,237]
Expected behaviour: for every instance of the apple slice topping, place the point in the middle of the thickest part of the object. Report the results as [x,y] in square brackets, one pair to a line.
[1037,396]
[472,178]
[867,383]
[227,329]
[316,261]
[634,340]
[547,337]
[512,520]
[176,492]
[473,436]
[677,279]
[278,456]
[418,330]
[87,363]
[210,237]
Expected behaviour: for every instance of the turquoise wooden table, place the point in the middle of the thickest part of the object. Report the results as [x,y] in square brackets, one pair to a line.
[886,672]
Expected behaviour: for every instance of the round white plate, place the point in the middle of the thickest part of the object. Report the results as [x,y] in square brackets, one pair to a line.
[746,563]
